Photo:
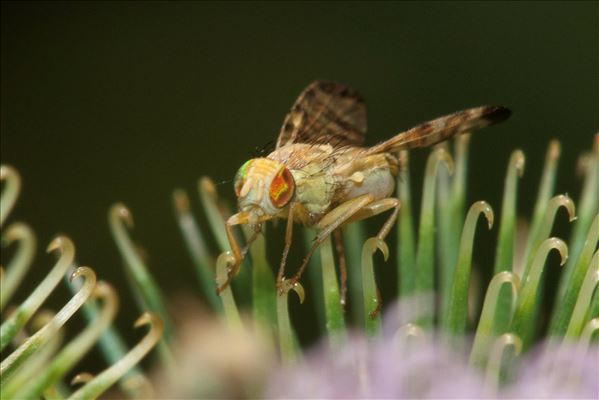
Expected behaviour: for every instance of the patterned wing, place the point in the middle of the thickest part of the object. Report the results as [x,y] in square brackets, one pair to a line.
[325,112]
[443,128]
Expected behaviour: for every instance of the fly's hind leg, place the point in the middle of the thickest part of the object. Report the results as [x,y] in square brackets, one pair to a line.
[371,210]
[340,248]
[375,208]
[356,209]
[331,221]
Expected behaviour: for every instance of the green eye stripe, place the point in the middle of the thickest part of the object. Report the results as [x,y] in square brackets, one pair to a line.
[242,173]
[243,170]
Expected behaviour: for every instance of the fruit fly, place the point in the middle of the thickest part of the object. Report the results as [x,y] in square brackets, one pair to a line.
[321,176]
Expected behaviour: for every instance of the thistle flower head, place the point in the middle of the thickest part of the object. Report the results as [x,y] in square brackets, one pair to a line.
[433,343]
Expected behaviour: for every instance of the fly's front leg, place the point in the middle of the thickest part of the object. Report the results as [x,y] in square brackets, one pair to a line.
[239,254]
[331,221]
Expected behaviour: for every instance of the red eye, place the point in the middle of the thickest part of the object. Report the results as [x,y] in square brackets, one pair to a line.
[282,188]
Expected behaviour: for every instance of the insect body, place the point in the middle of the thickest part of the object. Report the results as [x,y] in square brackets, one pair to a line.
[321,176]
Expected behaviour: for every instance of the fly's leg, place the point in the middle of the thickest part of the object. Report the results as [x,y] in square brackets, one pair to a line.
[371,210]
[239,254]
[339,247]
[376,208]
[331,221]
[252,239]
[288,240]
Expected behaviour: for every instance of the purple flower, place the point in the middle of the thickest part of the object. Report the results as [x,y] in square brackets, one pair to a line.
[413,364]
[557,372]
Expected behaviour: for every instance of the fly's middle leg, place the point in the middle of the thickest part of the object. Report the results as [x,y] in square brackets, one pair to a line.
[288,240]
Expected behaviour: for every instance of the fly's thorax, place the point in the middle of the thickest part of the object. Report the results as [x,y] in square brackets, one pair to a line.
[310,165]
[315,188]
[263,187]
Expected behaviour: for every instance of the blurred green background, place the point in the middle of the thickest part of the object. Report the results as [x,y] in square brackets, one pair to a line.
[106,102]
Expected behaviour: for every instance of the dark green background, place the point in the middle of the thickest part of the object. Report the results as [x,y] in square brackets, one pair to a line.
[106,102]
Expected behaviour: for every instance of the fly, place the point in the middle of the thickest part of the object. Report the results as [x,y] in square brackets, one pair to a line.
[321,176]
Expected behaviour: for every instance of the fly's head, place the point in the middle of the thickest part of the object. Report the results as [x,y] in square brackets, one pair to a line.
[263,188]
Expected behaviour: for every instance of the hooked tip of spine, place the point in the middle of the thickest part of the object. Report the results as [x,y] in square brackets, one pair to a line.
[56,243]
[299,290]
[207,186]
[463,139]
[441,145]
[290,284]
[384,249]
[121,211]
[154,320]
[59,243]
[484,208]
[224,262]
[86,272]
[143,319]
[510,339]
[6,171]
[376,243]
[509,277]
[407,331]
[76,274]
[591,326]
[560,246]
[181,201]
[566,202]
[518,161]
[554,150]
[583,164]
[444,155]
[16,231]
[83,377]
[147,318]
[411,329]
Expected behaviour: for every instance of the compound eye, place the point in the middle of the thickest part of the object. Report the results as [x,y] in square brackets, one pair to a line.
[240,176]
[282,188]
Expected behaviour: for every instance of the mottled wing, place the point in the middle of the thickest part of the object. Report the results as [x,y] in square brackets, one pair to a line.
[443,128]
[325,113]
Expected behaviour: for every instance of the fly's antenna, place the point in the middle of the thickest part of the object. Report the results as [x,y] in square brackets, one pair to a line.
[223,182]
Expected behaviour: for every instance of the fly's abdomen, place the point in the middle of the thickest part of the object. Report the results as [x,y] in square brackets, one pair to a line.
[371,174]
